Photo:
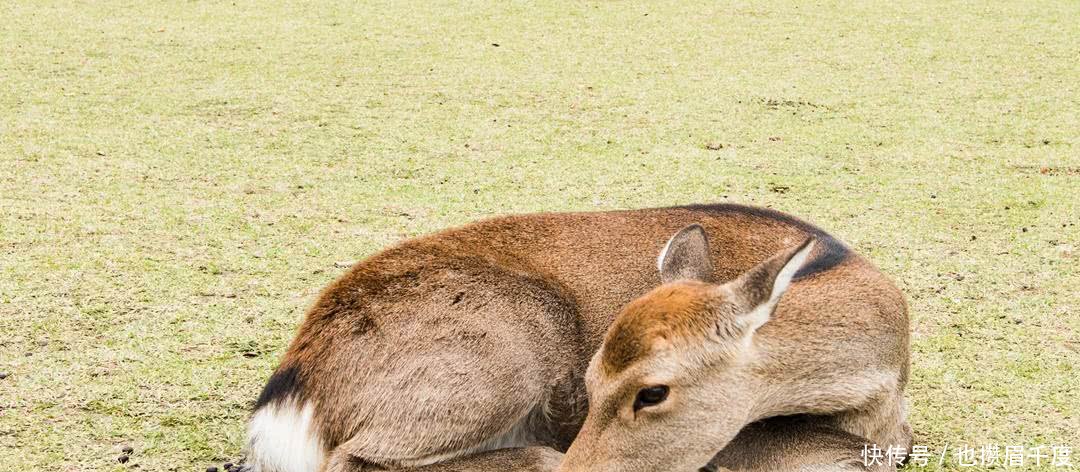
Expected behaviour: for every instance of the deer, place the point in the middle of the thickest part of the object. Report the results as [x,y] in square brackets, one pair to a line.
[524,337]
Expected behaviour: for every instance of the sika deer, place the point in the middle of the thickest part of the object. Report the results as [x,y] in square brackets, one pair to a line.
[478,339]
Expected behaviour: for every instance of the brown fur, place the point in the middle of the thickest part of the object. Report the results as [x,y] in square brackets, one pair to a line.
[764,344]
[437,346]
[668,315]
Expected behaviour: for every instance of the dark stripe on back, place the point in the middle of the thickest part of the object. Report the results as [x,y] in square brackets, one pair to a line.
[833,253]
[284,383]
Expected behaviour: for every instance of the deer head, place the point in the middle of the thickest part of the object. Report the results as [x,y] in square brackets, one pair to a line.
[672,383]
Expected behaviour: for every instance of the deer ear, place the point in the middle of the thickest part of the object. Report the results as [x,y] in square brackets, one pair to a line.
[760,288]
[686,256]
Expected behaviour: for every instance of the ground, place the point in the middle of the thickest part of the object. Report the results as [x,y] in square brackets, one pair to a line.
[179,179]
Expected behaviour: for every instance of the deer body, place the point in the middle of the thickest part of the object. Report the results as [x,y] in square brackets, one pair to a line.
[479,338]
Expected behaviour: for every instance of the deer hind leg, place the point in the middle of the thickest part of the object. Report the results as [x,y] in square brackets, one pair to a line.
[461,411]
[524,459]
[423,441]
[521,459]
[475,364]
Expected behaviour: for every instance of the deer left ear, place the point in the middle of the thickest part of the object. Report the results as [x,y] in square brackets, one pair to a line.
[760,288]
[686,256]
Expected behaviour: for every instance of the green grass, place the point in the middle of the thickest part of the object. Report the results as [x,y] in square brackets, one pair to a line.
[178,179]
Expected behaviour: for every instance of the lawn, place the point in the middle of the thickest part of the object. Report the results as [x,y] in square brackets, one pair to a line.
[179,179]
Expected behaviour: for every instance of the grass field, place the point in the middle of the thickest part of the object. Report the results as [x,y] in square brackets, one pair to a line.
[179,179]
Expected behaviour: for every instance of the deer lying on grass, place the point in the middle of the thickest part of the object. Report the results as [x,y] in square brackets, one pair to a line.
[480,338]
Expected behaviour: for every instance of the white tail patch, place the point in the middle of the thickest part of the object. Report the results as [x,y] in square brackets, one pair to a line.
[282,438]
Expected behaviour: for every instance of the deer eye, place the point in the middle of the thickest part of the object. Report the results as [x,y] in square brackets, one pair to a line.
[650,396]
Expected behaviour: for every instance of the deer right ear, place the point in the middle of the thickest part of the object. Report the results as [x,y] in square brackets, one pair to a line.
[686,256]
[762,286]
